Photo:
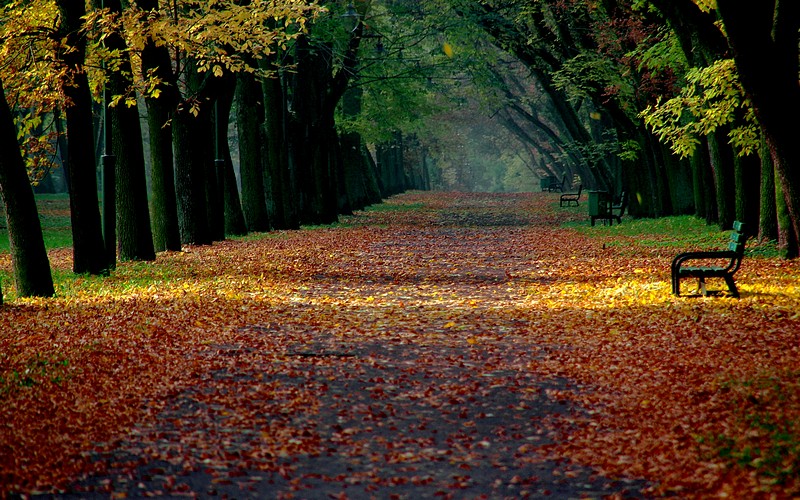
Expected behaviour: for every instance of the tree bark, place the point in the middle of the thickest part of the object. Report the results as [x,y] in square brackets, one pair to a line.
[768,215]
[87,236]
[249,118]
[163,201]
[280,168]
[192,155]
[32,276]
[722,164]
[764,37]
[134,234]
[234,220]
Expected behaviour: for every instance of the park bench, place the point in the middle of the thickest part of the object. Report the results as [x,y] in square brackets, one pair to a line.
[608,210]
[618,209]
[569,198]
[722,264]
[551,183]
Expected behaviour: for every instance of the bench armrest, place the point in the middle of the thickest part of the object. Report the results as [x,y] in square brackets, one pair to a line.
[704,255]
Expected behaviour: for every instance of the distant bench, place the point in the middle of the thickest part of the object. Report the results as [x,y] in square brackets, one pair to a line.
[611,211]
[723,264]
[551,184]
[567,199]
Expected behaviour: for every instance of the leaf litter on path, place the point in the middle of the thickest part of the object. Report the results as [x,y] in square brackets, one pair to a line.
[467,346]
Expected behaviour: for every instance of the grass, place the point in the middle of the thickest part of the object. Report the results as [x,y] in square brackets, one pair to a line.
[681,232]
[55,219]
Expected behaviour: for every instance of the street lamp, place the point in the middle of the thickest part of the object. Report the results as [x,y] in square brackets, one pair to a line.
[351,17]
[108,163]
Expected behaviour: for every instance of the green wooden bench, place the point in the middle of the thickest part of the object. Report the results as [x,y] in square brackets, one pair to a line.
[721,264]
[618,208]
[570,198]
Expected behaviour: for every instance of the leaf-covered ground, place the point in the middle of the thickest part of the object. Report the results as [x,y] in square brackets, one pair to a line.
[440,345]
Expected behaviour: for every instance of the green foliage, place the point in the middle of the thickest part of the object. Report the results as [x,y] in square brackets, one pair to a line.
[712,98]
[405,71]
[629,150]
[664,53]
[581,77]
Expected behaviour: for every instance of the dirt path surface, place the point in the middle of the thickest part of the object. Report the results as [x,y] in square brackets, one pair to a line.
[441,346]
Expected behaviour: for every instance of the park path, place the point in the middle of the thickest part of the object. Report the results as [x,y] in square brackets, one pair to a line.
[399,362]
[439,344]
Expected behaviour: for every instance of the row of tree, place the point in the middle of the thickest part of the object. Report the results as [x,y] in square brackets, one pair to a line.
[683,104]
[281,70]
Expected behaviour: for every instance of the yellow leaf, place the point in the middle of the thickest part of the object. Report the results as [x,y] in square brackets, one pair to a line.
[448,49]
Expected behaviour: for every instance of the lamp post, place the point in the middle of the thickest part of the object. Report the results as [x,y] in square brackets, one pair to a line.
[351,17]
[220,134]
[108,163]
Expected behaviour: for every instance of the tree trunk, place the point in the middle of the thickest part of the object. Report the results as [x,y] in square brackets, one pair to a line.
[249,117]
[32,275]
[192,154]
[234,216]
[786,241]
[87,236]
[281,178]
[764,37]
[722,164]
[747,171]
[135,237]
[163,202]
[307,137]
[768,215]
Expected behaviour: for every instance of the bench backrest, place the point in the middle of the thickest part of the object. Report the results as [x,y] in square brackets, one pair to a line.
[736,245]
[738,239]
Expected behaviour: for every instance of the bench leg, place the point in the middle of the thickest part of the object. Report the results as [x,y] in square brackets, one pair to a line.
[676,284]
[701,285]
[732,286]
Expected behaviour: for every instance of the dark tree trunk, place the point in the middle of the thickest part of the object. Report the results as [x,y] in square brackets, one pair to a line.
[308,138]
[281,183]
[768,211]
[317,91]
[747,170]
[722,164]
[764,37]
[135,237]
[32,275]
[680,182]
[358,178]
[389,158]
[786,240]
[249,118]
[233,215]
[163,202]
[87,236]
[192,155]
